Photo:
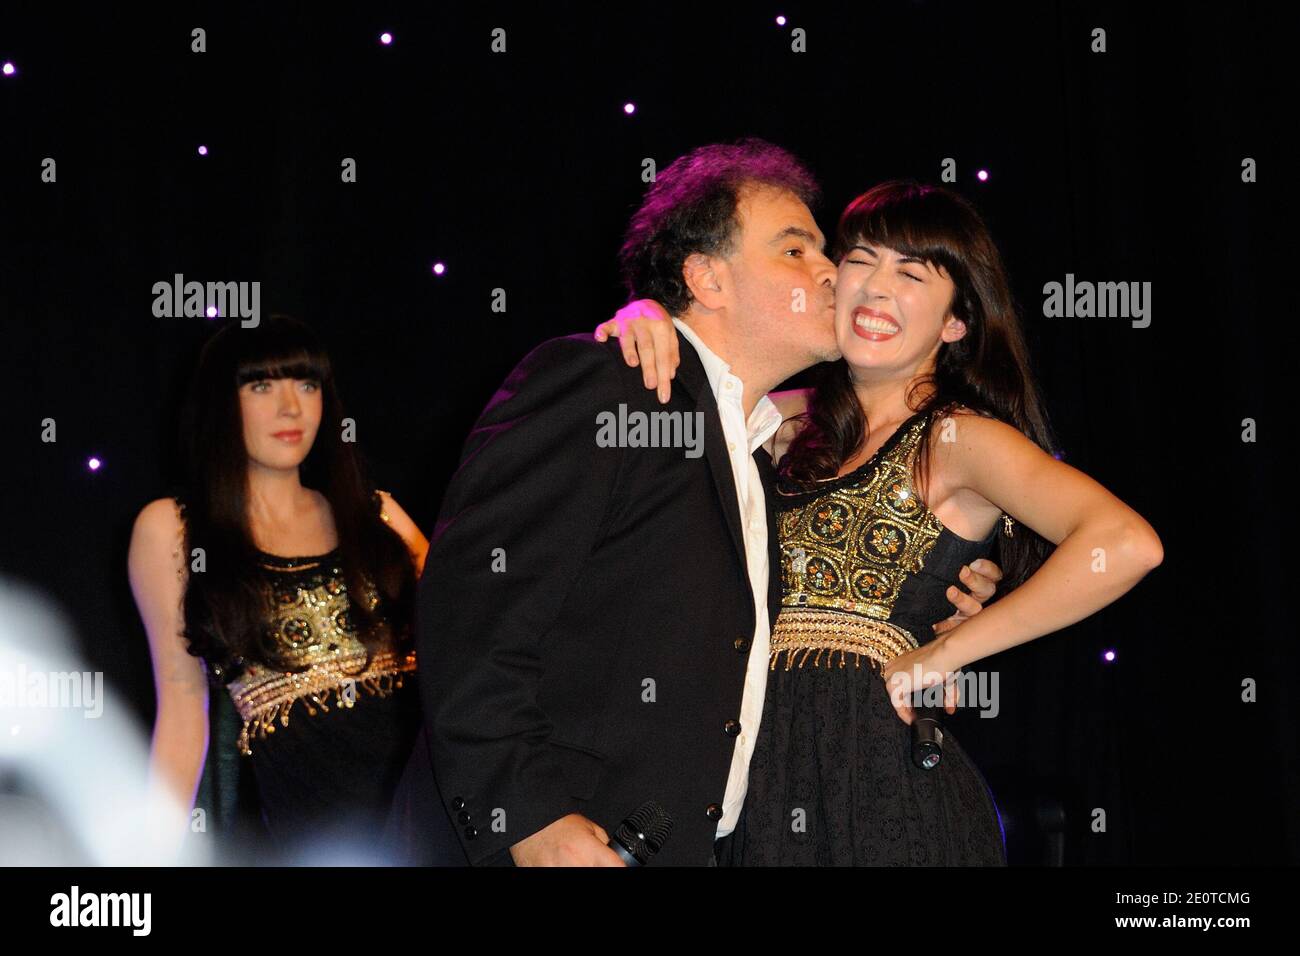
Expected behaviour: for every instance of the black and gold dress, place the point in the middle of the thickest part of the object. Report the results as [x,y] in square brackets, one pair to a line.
[864,570]
[329,732]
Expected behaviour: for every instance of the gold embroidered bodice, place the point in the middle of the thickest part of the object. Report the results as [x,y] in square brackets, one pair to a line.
[311,627]
[864,563]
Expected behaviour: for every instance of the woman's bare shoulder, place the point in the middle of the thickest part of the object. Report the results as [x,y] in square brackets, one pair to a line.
[160,520]
[396,517]
[156,563]
[406,528]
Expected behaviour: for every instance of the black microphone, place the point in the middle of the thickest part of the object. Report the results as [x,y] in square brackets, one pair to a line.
[927,737]
[642,834]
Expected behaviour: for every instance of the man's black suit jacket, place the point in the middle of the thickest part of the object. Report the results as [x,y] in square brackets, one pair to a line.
[584,618]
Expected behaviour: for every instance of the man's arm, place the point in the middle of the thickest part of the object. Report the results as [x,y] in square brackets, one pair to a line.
[982,577]
[519,519]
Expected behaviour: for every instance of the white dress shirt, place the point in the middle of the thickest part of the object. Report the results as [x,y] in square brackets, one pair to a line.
[743,439]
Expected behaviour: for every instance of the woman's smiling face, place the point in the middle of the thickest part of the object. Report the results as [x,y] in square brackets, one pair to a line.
[892,310]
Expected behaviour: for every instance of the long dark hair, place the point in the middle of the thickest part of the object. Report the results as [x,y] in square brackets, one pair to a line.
[226,606]
[987,370]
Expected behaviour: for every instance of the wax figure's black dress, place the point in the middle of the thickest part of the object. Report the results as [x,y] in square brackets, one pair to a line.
[864,567]
[326,777]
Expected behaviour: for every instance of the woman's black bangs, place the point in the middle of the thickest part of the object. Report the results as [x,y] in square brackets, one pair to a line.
[302,365]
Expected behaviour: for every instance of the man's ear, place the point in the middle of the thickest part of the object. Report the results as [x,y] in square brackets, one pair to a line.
[703,275]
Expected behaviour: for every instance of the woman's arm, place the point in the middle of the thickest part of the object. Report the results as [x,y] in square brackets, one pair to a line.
[157,569]
[1104,547]
[406,529]
[649,339]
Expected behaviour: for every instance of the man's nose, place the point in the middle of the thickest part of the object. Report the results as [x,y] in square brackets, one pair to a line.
[826,272]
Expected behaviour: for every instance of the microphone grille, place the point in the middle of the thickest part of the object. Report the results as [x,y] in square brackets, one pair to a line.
[646,829]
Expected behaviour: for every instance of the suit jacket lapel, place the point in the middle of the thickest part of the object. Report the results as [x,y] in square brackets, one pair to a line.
[693,379]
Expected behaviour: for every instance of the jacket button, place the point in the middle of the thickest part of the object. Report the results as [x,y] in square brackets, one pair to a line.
[463,817]
[713,811]
[731,728]
[458,803]
[741,645]
[470,833]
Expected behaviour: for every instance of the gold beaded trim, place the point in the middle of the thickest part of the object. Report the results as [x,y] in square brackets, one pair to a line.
[272,699]
[830,631]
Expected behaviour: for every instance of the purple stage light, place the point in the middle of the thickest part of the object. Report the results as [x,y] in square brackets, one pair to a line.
[8,69]
[629,108]
[1108,655]
[982,175]
[203,151]
[439,268]
[385,38]
[780,21]
[93,464]
[212,312]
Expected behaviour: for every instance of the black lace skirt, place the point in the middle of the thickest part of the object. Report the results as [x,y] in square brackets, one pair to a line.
[327,781]
[832,782]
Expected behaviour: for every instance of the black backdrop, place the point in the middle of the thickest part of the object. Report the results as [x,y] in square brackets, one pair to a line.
[518,171]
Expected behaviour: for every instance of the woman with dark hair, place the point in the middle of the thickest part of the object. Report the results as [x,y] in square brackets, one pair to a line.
[280,575]
[922,442]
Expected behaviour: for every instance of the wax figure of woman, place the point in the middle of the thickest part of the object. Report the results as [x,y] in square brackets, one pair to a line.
[280,577]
